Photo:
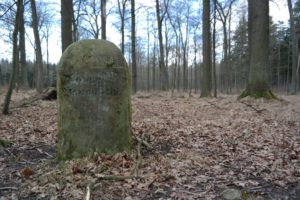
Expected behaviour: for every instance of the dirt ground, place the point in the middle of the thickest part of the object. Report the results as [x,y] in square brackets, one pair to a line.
[184,148]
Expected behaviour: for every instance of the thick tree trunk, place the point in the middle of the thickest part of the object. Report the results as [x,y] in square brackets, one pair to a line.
[103,19]
[66,23]
[259,51]
[15,61]
[133,48]
[38,49]
[206,75]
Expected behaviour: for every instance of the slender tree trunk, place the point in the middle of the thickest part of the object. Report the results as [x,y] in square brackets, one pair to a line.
[148,54]
[103,19]
[229,66]
[66,23]
[179,64]
[38,49]
[206,75]
[47,55]
[278,68]
[163,69]
[15,60]
[154,66]
[294,49]
[133,47]
[22,48]
[122,7]
[214,48]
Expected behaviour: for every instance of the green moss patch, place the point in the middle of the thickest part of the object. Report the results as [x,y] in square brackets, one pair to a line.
[258,90]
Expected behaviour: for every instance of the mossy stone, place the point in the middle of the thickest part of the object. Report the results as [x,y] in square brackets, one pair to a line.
[93,88]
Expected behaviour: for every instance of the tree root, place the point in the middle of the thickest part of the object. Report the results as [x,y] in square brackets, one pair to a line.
[258,90]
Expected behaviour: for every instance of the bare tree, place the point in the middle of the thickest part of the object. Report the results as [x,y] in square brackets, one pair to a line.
[103,19]
[15,60]
[38,48]
[164,79]
[133,47]
[214,48]
[122,13]
[66,23]
[294,48]
[91,17]
[22,48]
[224,13]
[206,75]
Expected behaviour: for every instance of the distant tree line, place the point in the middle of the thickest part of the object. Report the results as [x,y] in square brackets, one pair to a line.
[162,42]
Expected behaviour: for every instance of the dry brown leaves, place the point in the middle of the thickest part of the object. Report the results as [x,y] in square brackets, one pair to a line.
[200,148]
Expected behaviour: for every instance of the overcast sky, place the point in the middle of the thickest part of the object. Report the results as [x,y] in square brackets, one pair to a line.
[278,11]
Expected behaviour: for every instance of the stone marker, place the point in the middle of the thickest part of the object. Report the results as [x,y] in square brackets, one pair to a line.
[93,88]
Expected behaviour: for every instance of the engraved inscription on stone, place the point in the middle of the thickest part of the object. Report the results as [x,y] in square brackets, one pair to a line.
[104,83]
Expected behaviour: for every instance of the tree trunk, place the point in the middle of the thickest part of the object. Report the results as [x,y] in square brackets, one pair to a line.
[259,51]
[163,71]
[148,54]
[38,49]
[206,75]
[154,65]
[133,48]
[294,49]
[103,19]
[66,23]
[214,48]
[121,8]
[15,60]
[22,48]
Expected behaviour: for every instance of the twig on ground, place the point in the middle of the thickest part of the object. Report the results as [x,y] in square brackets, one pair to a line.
[88,192]
[218,107]
[44,152]
[146,144]
[8,188]
[251,106]
[10,153]
[114,177]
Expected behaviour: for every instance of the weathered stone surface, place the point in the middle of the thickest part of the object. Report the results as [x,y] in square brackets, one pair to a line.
[232,194]
[94,100]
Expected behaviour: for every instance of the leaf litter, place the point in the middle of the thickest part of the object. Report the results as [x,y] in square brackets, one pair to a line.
[184,148]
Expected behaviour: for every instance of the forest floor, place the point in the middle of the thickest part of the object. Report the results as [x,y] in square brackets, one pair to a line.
[184,148]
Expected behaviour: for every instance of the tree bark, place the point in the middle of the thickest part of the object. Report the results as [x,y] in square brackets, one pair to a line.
[103,19]
[38,49]
[122,7]
[206,75]
[214,48]
[15,60]
[163,70]
[22,48]
[66,23]
[259,51]
[148,53]
[293,41]
[133,48]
